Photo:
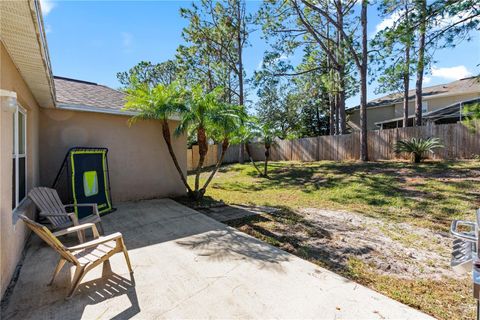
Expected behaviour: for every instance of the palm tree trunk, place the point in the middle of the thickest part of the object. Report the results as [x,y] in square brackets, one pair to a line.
[225,145]
[267,156]
[247,147]
[202,151]
[168,141]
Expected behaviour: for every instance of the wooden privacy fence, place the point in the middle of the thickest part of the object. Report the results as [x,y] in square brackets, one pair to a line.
[213,154]
[459,142]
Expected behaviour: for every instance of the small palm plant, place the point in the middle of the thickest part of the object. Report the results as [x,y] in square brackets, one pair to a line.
[418,147]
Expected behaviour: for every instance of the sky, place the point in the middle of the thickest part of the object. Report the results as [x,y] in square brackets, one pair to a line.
[93,40]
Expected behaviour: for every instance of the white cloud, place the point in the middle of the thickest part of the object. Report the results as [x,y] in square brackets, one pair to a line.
[427,79]
[445,21]
[389,21]
[127,40]
[451,73]
[47,6]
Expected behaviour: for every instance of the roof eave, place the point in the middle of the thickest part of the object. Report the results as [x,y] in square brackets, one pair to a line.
[118,112]
[24,39]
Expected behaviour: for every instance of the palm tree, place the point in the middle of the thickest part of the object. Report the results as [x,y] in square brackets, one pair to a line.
[418,147]
[197,119]
[226,121]
[267,136]
[158,103]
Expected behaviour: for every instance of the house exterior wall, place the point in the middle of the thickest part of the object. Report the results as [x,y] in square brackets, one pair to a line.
[13,234]
[373,115]
[434,103]
[377,114]
[139,163]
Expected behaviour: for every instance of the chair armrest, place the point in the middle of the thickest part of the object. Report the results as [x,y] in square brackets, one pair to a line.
[71,215]
[96,242]
[79,228]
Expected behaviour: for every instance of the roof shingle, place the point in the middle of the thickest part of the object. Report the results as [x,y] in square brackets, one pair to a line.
[88,94]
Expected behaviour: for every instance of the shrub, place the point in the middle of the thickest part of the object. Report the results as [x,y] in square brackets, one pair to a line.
[418,147]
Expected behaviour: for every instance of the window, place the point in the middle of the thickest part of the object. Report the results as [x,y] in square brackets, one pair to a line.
[424,106]
[19,156]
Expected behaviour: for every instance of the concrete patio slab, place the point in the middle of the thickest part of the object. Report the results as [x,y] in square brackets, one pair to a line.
[187,265]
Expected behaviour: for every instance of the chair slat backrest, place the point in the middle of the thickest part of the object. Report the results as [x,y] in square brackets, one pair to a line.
[48,201]
[49,238]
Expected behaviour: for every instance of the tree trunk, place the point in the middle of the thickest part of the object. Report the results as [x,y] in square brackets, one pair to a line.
[168,142]
[421,62]
[331,96]
[225,145]
[202,151]
[406,85]
[267,156]
[332,114]
[341,71]
[406,70]
[363,85]
[247,148]
[240,69]
[337,122]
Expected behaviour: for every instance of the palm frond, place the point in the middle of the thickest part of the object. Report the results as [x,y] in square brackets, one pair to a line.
[418,147]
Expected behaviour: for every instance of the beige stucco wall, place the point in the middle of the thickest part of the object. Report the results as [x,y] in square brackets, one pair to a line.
[373,115]
[139,163]
[435,103]
[377,114]
[12,232]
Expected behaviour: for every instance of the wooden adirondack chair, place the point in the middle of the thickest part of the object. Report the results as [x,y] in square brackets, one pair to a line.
[85,256]
[52,208]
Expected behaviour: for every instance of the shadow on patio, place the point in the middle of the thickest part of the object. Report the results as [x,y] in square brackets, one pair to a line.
[174,251]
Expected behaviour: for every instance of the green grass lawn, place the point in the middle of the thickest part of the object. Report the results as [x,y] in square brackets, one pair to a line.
[428,195]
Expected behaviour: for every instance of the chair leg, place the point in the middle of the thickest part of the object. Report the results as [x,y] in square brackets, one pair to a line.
[58,268]
[77,278]
[127,258]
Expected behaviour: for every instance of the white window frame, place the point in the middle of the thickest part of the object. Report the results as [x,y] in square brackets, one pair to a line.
[16,156]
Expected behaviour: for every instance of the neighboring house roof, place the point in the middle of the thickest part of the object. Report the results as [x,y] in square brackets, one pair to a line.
[462,86]
[22,33]
[88,96]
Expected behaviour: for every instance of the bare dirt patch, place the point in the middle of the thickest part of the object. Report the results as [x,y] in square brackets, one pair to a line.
[394,249]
